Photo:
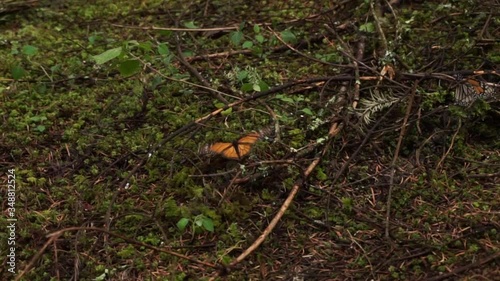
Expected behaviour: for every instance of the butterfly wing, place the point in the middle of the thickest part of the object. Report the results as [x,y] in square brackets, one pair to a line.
[476,85]
[244,144]
[464,95]
[468,91]
[235,150]
[225,149]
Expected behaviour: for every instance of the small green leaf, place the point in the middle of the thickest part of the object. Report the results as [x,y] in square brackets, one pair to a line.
[92,39]
[367,27]
[188,53]
[320,175]
[247,87]
[236,37]
[242,25]
[347,203]
[157,80]
[107,55]
[40,128]
[256,28]
[29,50]
[285,98]
[190,24]
[17,72]
[227,112]
[288,37]
[163,49]
[102,277]
[263,86]
[219,105]
[182,223]
[146,46]
[129,67]
[38,118]
[247,45]
[256,87]
[242,75]
[260,38]
[307,111]
[257,51]
[208,224]
[198,221]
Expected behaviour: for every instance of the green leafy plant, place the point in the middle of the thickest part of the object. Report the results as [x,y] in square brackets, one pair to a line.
[126,64]
[367,27]
[248,79]
[38,119]
[198,222]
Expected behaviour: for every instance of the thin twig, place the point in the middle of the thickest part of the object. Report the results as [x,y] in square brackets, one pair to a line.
[395,157]
[451,145]
[380,31]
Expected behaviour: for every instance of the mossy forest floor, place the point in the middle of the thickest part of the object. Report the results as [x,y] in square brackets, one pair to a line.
[378,156]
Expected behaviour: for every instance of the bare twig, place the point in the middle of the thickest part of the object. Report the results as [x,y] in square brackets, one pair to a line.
[395,157]
[302,54]
[176,28]
[451,145]
[380,31]
[195,73]
[359,57]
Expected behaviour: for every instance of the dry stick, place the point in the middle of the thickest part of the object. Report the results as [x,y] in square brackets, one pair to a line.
[35,258]
[76,262]
[56,259]
[451,145]
[359,57]
[380,31]
[302,54]
[334,130]
[55,235]
[351,57]
[230,185]
[396,155]
[364,253]
[194,72]
[176,28]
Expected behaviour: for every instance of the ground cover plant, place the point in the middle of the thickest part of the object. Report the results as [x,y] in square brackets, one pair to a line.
[250,140]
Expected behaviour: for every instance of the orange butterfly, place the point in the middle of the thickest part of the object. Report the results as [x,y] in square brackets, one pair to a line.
[235,150]
[471,89]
